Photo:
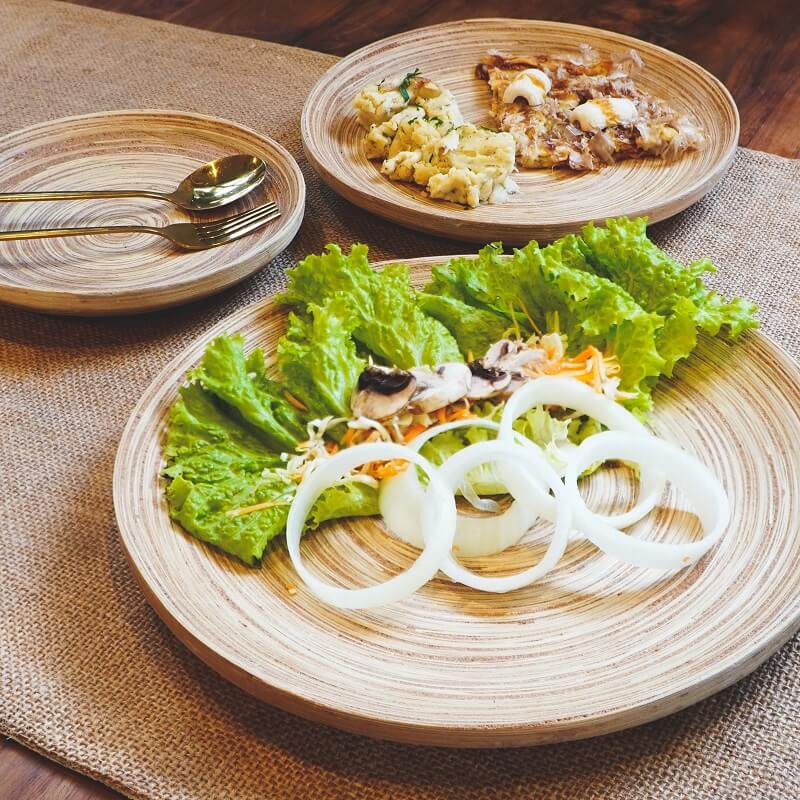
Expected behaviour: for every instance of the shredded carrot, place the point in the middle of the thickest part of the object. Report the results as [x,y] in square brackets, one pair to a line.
[441,415]
[373,436]
[388,469]
[295,402]
[459,413]
[348,437]
[332,447]
[584,355]
[413,432]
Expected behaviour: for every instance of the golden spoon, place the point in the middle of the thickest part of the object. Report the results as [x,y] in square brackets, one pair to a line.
[213,185]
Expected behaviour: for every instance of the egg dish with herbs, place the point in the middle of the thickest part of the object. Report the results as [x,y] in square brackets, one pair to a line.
[583,113]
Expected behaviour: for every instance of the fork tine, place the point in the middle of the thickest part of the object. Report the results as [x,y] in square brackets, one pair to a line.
[230,235]
[235,225]
[210,228]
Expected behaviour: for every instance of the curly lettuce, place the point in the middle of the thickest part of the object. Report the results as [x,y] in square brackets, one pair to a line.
[474,329]
[553,288]
[317,357]
[622,252]
[592,310]
[247,393]
[204,509]
[490,282]
[231,423]
[390,323]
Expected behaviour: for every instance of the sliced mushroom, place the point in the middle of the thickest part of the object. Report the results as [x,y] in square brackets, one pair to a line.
[510,356]
[486,382]
[382,391]
[517,382]
[440,387]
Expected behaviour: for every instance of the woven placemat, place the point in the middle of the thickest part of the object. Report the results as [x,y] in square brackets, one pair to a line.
[88,674]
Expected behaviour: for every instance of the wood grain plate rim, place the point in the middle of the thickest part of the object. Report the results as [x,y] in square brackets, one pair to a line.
[440,218]
[761,644]
[102,302]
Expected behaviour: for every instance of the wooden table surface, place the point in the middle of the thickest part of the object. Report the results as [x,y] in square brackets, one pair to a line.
[753,47]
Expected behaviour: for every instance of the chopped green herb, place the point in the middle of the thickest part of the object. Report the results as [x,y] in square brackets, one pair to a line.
[406,82]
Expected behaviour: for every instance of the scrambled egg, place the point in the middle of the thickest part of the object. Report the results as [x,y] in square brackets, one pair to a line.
[416,129]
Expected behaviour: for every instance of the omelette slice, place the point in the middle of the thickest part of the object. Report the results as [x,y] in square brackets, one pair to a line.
[582,112]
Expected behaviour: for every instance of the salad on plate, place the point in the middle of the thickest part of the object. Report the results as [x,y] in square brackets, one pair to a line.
[504,380]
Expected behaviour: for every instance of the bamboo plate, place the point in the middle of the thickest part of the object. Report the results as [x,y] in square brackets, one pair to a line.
[594,647]
[550,202]
[130,273]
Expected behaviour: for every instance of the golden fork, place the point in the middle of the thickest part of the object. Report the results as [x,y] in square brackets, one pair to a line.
[186,235]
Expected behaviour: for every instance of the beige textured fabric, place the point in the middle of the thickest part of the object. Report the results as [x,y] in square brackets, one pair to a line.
[88,674]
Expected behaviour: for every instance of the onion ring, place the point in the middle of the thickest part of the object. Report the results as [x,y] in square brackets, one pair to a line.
[686,472]
[534,470]
[569,393]
[401,495]
[438,523]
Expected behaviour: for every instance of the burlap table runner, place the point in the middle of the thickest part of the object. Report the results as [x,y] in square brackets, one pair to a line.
[88,674]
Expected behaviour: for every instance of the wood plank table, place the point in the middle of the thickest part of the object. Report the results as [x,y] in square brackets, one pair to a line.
[753,47]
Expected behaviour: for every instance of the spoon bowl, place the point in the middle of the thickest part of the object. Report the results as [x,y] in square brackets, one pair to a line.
[220,182]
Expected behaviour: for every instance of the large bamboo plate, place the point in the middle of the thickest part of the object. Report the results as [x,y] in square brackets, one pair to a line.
[593,648]
[550,202]
[130,273]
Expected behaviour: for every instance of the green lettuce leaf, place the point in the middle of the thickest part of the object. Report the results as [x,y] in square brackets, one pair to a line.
[391,325]
[592,310]
[215,464]
[622,253]
[490,282]
[318,359]
[201,509]
[205,444]
[351,499]
[243,386]
[475,329]
[556,287]
[218,458]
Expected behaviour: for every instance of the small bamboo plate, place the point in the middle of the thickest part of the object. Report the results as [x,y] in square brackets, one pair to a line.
[131,273]
[594,647]
[550,202]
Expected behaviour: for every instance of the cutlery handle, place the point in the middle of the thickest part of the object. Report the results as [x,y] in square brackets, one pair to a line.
[50,233]
[25,197]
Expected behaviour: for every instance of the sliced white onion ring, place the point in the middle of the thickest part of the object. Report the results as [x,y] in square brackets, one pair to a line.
[569,393]
[401,500]
[533,470]
[438,523]
[687,473]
